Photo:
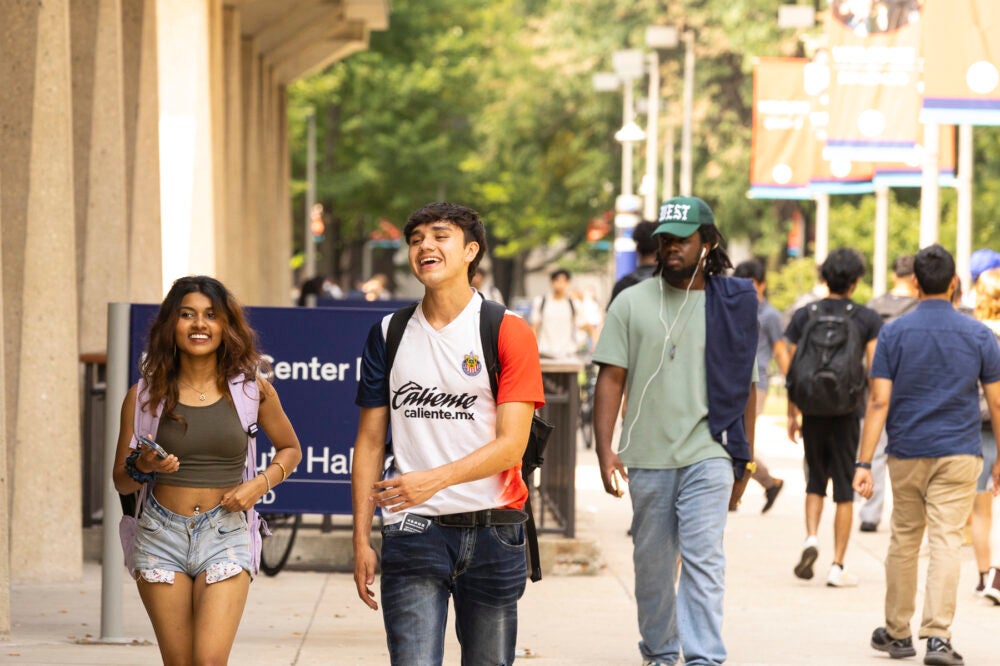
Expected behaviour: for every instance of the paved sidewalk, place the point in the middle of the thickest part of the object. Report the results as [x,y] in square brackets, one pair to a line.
[772,618]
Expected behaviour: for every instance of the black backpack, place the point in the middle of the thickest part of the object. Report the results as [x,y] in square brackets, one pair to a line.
[826,377]
[491,315]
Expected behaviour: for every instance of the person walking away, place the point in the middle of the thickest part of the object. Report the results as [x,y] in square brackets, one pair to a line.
[486,287]
[895,303]
[556,318]
[197,542]
[770,344]
[647,249]
[826,385]
[925,378]
[452,494]
[987,289]
[684,346]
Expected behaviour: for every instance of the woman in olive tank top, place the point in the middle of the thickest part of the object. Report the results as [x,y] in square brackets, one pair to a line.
[193,558]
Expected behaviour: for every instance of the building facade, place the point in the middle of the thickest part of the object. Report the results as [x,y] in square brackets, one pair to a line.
[140,141]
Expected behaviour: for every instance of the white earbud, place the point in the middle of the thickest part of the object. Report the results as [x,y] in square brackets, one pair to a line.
[704,251]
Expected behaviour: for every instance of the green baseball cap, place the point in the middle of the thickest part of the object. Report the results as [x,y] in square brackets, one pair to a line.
[681,216]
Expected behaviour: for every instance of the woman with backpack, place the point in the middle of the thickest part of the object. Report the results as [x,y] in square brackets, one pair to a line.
[987,290]
[199,398]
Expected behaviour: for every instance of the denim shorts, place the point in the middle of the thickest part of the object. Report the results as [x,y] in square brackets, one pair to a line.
[216,542]
[989,458]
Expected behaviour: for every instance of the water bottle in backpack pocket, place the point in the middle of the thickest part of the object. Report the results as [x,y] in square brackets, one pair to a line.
[826,376]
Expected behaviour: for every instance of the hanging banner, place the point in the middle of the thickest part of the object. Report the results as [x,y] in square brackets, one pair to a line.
[875,68]
[962,62]
[911,174]
[781,145]
[837,174]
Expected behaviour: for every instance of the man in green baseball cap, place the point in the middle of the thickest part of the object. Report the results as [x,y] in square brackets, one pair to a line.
[684,344]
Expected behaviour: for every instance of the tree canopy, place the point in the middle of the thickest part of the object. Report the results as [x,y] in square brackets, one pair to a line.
[490,103]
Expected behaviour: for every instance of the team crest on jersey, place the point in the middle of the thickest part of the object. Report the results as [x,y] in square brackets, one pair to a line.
[471,365]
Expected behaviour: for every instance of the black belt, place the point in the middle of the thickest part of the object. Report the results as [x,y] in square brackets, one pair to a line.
[483,518]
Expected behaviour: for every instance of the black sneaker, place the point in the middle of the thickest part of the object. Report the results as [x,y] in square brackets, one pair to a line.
[869,527]
[804,569]
[771,494]
[896,647]
[941,653]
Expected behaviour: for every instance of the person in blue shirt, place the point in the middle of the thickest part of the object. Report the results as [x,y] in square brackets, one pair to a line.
[924,390]
[770,344]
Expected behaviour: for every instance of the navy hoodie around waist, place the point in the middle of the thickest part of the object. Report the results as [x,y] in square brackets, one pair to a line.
[730,353]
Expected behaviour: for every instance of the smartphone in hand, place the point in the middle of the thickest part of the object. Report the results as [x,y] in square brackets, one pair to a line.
[152,446]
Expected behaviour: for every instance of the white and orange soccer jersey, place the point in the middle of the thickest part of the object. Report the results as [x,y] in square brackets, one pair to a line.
[440,404]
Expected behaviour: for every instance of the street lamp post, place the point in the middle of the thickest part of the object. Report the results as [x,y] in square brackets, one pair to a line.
[657,37]
[628,66]
[686,149]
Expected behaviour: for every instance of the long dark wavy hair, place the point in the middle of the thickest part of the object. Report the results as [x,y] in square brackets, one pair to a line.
[236,354]
[717,262]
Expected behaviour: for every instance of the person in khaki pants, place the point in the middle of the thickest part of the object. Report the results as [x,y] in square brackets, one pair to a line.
[929,364]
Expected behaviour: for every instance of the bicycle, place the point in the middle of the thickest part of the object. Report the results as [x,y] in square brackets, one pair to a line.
[276,548]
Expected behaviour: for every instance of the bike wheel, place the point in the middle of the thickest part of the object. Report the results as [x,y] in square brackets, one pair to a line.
[277,547]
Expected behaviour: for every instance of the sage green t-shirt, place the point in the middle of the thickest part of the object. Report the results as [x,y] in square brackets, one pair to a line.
[666,418]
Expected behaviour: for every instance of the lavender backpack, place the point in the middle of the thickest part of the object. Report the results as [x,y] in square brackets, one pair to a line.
[246,398]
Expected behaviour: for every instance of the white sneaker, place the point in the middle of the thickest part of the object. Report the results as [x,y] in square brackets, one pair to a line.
[840,578]
[991,588]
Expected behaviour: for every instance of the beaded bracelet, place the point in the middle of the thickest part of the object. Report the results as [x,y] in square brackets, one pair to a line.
[133,471]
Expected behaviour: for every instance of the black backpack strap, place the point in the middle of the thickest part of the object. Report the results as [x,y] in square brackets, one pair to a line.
[397,324]
[491,315]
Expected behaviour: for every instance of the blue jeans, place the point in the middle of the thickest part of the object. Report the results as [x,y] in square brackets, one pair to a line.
[681,512]
[483,568]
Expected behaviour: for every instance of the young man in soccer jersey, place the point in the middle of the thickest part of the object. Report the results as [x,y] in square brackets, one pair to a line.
[452,495]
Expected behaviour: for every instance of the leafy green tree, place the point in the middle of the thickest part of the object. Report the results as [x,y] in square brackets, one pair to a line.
[490,103]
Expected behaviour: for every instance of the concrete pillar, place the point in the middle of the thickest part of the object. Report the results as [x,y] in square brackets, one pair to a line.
[217,138]
[283,215]
[18,50]
[276,250]
[142,151]
[98,165]
[187,185]
[4,485]
[40,291]
[252,168]
[238,269]
[265,194]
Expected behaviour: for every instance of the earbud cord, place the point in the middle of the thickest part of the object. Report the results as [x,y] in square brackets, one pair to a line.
[663,351]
